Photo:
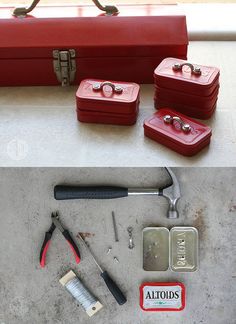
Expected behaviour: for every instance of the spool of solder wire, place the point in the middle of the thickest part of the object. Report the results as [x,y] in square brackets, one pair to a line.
[76,288]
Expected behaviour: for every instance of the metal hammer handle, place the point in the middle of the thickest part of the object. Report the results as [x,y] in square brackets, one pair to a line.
[89,192]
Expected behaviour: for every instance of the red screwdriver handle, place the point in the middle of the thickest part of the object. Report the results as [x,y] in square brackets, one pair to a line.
[44,248]
[72,244]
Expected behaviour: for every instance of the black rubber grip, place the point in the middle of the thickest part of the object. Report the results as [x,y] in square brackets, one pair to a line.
[93,192]
[114,289]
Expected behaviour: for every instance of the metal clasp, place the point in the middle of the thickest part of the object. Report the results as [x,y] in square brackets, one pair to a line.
[64,65]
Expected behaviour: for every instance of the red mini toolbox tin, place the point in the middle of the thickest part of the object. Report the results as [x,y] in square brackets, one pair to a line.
[107,102]
[188,88]
[178,132]
[162,296]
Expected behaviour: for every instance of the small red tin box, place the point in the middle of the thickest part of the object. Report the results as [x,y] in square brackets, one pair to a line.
[188,88]
[162,296]
[178,132]
[107,102]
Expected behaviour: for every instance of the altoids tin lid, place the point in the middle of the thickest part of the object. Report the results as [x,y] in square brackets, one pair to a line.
[183,249]
[162,296]
[180,75]
[177,128]
[155,249]
[108,91]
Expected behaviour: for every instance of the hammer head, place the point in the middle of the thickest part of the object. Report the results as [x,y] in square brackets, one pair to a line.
[172,194]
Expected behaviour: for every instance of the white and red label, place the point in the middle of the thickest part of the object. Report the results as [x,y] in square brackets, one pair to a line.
[162,296]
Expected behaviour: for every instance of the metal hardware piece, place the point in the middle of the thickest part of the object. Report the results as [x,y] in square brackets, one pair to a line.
[100,87]
[131,241]
[195,70]
[170,120]
[109,250]
[155,249]
[64,65]
[114,227]
[108,9]
[116,260]
[22,12]
[183,249]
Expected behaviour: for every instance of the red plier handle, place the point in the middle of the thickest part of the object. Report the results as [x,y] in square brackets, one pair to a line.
[47,240]
[45,246]
[72,244]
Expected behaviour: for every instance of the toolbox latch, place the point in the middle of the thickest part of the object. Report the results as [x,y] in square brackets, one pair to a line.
[64,65]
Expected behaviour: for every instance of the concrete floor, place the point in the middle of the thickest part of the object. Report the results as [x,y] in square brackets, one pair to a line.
[39,126]
[29,294]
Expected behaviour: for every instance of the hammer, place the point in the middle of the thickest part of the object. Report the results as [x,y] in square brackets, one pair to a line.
[171,192]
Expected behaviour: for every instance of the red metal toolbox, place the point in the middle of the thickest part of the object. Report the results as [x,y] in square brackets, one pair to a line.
[107,102]
[192,90]
[66,44]
[178,132]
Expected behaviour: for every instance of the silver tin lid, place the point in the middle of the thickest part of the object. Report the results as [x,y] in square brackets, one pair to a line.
[155,249]
[183,249]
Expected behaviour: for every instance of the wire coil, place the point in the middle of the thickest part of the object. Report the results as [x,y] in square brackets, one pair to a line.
[80,293]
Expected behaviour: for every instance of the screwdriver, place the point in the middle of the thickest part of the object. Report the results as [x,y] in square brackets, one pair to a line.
[111,285]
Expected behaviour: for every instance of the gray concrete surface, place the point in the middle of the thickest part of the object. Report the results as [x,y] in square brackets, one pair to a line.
[29,294]
[39,126]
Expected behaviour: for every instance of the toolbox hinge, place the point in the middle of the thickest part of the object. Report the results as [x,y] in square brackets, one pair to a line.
[64,65]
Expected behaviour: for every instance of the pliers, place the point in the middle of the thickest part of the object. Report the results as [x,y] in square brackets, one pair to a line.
[48,236]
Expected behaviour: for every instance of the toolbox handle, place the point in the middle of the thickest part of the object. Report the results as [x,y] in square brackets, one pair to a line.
[23,11]
[100,87]
[194,69]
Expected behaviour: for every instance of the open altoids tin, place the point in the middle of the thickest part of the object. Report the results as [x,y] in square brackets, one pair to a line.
[176,249]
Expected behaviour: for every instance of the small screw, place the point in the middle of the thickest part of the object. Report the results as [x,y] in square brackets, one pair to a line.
[116,260]
[109,250]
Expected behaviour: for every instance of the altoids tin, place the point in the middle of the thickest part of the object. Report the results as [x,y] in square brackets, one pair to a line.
[155,249]
[162,296]
[177,131]
[107,102]
[183,249]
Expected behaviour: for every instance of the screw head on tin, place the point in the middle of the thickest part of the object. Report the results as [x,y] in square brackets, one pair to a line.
[96,86]
[118,89]
[168,119]
[176,66]
[186,128]
[197,70]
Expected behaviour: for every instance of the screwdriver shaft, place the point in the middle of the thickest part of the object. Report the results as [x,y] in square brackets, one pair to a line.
[88,249]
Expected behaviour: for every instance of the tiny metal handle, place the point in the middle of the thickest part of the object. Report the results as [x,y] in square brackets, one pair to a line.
[22,12]
[100,86]
[194,69]
[170,120]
